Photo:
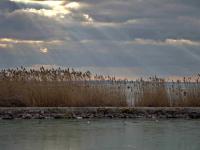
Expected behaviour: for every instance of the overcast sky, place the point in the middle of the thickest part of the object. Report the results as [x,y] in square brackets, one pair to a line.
[118,37]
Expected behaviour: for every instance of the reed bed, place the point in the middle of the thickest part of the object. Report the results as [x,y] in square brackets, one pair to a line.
[70,88]
[152,94]
[56,88]
[157,92]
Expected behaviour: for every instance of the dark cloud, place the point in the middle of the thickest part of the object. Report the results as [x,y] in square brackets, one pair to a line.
[100,34]
[9,6]
[153,19]
[26,26]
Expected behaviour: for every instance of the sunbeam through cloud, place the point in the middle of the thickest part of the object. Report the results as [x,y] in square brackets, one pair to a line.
[159,37]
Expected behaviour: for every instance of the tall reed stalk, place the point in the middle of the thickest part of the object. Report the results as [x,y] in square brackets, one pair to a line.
[53,88]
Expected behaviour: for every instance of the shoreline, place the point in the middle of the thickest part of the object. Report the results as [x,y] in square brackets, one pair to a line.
[10,113]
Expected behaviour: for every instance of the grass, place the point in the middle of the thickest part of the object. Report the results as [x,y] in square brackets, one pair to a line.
[69,88]
[152,94]
[158,93]
[56,88]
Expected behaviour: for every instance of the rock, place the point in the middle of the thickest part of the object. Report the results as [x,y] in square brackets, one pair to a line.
[78,117]
[194,116]
[38,116]
[58,116]
[8,117]
[27,116]
[80,113]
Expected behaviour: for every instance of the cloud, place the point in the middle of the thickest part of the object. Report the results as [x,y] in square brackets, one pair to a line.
[139,41]
[44,50]
[50,3]
[8,43]
[4,45]
[152,59]
[45,12]
[51,8]
[156,36]
[88,18]
[73,5]
[173,42]
[21,25]
[19,41]
[182,42]
[83,20]
[11,44]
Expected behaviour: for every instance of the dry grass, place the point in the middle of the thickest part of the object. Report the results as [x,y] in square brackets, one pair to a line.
[158,93]
[37,94]
[65,87]
[152,94]
[53,88]
[188,98]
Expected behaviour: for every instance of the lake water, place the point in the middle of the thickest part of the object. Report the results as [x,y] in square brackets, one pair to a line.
[100,135]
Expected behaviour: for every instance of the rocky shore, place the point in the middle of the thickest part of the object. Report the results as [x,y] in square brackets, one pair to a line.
[99,112]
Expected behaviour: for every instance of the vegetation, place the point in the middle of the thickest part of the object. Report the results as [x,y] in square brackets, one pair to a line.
[57,87]
[70,88]
[152,93]
[157,92]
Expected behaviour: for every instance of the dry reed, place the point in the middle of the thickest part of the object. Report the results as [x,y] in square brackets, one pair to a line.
[157,92]
[152,94]
[67,87]
[56,88]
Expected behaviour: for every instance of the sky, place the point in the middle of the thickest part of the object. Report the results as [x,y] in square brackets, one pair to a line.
[125,38]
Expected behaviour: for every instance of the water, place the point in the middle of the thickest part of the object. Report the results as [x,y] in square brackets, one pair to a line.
[100,135]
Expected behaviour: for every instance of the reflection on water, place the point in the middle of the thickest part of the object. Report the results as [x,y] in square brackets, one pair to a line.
[100,135]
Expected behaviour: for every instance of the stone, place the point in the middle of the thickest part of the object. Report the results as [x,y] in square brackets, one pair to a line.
[8,117]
